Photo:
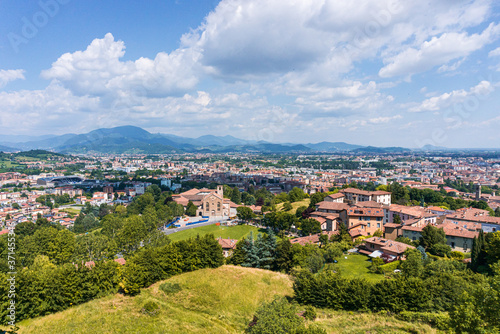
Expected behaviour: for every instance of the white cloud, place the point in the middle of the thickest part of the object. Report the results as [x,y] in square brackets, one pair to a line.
[7,76]
[446,100]
[99,71]
[437,51]
[494,53]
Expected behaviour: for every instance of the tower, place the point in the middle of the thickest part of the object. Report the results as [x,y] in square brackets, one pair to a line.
[478,192]
[220,191]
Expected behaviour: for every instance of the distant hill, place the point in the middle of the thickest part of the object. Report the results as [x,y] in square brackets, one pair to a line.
[133,139]
[8,149]
[381,150]
[212,301]
[333,147]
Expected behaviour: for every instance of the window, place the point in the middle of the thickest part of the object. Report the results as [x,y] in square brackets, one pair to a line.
[207,206]
[378,225]
[368,225]
[218,206]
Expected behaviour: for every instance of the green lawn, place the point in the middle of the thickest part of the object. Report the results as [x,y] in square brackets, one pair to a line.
[356,265]
[225,232]
[73,211]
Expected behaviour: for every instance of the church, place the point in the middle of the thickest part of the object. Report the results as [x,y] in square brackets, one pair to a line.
[210,202]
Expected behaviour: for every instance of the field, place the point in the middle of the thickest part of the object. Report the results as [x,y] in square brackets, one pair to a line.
[356,265]
[225,232]
[219,300]
[295,205]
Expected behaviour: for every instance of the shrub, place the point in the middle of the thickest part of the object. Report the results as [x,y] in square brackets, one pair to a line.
[389,267]
[457,255]
[151,308]
[438,320]
[310,313]
[170,288]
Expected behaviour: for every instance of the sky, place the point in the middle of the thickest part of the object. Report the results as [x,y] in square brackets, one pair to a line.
[368,72]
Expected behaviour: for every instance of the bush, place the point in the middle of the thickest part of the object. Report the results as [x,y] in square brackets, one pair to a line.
[170,288]
[457,255]
[376,263]
[151,308]
[310,313]
[438,320]
[389,267]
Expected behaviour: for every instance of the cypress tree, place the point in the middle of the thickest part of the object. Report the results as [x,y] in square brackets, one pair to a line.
[475,254]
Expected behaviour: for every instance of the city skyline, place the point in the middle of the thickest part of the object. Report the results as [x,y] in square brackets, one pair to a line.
[383,73]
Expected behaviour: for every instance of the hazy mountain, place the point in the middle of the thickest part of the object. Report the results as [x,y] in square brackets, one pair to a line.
[333,147]
[7,149]
[133,139]
[372,149]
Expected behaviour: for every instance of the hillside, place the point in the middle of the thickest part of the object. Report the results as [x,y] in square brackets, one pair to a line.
[219,300]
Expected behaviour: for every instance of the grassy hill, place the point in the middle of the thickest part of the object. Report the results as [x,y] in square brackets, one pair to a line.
[221,300]
[225,232]
[295,205]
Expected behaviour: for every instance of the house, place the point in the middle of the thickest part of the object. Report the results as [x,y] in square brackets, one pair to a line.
[459,236]
[365,219]
[388,249]
[472,215]
[408,213]
[354,196]
[338,197]
[312,239]
[228,246]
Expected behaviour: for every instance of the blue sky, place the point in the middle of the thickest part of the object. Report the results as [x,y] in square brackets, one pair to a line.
[384,73]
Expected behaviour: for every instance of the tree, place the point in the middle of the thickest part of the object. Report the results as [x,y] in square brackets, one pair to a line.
[296,194]
[284,256]
[299,211]
[191,209]
[396,219]
[276,317]
[236,196]
[132,233]
[413,265]
[244,213]
[239,254]
[323,239]
[251,256]
[287,206]
[432,235]
[266,250]
[310,226]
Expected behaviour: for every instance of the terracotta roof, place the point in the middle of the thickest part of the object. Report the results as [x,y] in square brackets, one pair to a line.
[336,196]
[335,206]
[364,192]
[227,243]
[365,212]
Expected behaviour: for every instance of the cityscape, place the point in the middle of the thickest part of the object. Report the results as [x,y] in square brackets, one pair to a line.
[249,167]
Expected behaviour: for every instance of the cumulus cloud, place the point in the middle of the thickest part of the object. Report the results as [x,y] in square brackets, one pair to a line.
[53,107]
[446,100]
[99,71]
[7,76]
[494,53]
[439,50]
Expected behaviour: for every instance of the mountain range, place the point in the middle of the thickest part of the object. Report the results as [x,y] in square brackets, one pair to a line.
[132,139]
